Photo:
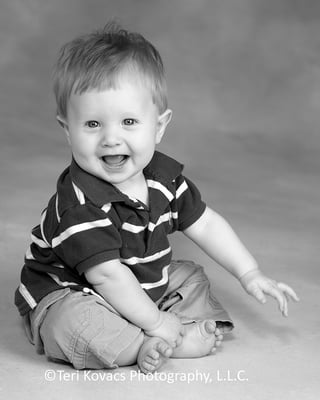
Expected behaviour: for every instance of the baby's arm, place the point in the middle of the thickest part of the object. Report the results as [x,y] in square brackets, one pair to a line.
[214,235]
[117,284]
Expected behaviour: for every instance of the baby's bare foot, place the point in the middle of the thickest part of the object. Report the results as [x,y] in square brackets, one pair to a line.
[152,354]
[200,339]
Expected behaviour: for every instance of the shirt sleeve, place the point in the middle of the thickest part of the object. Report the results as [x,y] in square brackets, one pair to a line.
[86,236]
[190,205]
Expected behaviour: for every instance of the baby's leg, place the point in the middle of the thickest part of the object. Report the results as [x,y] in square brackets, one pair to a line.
[189,295]
[129,355]
[81,329]
[200,339]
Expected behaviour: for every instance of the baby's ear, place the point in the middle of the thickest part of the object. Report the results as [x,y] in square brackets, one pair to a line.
[61,121]
[163,121]
[64,126]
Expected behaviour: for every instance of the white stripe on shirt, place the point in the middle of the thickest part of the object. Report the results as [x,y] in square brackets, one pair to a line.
[79,193]
[151,226]
[79,228]
[43,217]
[163,281]
[61,283]
[27,296]
[57,209]
[132,228]
[39,242]
[158,186]
[181,189]
[143,260]
[163,218]
[57,265]
[29,255]
[106,207]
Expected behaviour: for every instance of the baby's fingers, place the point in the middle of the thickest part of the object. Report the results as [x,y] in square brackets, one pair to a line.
[288,291]
[277,294]
[257,293]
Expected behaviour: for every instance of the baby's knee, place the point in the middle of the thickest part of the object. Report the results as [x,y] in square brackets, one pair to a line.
[189,270]
[57,329]
[196,273]
[81,330]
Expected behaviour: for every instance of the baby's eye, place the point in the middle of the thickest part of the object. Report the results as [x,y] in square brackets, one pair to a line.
[92,124]
[129,121]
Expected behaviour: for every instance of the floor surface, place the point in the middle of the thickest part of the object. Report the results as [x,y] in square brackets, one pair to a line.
[243,79]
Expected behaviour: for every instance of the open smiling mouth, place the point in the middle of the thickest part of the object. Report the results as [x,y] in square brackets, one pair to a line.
[116,161]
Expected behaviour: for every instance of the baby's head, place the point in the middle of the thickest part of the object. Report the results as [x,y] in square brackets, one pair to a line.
[112,103]
[99,60]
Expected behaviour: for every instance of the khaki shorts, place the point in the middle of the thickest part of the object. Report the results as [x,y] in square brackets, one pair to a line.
[81,328]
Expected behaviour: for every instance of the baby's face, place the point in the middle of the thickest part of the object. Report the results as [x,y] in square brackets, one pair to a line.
[113,132]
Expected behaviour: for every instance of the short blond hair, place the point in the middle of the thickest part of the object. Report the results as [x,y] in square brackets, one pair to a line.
[97,60]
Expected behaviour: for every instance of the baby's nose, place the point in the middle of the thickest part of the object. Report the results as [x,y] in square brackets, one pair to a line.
[111,137]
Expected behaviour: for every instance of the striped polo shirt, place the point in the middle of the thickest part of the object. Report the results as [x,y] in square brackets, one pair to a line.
[89,221]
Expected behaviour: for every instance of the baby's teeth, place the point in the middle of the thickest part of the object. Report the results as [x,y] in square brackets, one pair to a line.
[113,160]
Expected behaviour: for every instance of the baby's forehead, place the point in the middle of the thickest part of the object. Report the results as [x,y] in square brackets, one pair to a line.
[126,95]
[136,86]
[131,76]
[115,80]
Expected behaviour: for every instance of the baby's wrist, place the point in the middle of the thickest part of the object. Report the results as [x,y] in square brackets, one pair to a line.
[249,275]
[156,324]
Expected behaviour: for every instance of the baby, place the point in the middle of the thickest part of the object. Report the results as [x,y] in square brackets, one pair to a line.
[99,288]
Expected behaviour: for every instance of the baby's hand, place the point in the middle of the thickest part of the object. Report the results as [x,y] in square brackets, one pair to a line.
[169,328]
[256,284]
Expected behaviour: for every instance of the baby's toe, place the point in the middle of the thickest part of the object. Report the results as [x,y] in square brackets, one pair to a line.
[210,326]
[154,354]
[164,349]
[151,360]
[146,367]
[219,337]
[213,350]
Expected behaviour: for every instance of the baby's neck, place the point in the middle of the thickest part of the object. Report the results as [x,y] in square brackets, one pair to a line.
[138,190]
